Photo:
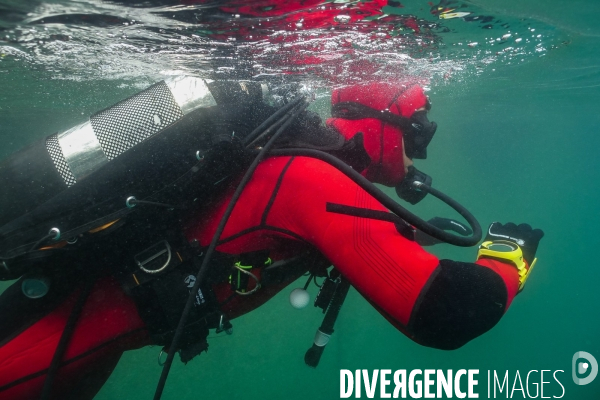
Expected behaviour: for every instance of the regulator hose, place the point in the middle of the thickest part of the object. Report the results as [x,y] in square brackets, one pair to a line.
[293,112]
[392,205]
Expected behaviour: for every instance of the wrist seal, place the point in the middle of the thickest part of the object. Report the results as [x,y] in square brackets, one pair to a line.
[507,251]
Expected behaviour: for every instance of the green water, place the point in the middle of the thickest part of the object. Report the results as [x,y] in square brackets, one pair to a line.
[519,143]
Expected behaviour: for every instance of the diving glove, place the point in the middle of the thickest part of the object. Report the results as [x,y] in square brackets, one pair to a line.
[514,244]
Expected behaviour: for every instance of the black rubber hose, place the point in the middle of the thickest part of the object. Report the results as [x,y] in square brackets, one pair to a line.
[268,131]
[261,128]
[392,205]
[213,244]
[40,242]
[65,338]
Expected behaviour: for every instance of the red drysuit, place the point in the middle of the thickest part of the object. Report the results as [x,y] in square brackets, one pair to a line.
[437,303]
[282,209]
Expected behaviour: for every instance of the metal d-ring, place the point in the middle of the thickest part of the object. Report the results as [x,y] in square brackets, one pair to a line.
[199,157]
[141,264]
[221,327]
[250,274]
[160,363]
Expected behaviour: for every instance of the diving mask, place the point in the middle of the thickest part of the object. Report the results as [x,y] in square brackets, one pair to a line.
[417,131]
[418,135]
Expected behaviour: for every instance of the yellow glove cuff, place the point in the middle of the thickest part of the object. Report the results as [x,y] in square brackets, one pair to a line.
[504,250]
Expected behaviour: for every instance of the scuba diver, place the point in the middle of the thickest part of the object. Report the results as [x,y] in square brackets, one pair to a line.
[266,202]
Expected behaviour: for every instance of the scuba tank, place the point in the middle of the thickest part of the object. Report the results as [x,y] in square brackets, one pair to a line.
[57,162]
[148,147]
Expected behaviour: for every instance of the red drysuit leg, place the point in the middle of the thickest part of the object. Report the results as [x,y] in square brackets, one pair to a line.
[108,325]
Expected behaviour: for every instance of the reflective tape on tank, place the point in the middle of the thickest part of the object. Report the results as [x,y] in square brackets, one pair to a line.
[82,150]
[190,93]
[61,165]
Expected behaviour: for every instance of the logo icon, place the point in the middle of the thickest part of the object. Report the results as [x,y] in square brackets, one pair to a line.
[190,281]
[581,367]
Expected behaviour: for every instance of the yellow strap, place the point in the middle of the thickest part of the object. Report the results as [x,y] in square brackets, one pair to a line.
[514,257]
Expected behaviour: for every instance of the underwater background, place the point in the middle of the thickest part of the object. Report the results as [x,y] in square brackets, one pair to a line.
[518,140]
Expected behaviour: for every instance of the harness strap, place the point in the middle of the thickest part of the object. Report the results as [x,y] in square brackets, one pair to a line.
[353,111]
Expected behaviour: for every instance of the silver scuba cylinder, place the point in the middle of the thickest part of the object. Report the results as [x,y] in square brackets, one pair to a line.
[47,167]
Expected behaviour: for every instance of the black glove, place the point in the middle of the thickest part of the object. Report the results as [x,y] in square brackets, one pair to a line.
[446,224]
[523,235]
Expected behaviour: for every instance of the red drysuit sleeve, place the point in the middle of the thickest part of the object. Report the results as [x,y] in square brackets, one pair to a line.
[285,202]
[283,209]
